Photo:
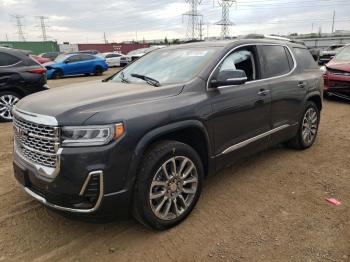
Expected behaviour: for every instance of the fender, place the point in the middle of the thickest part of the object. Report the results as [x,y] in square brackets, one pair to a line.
[151,136]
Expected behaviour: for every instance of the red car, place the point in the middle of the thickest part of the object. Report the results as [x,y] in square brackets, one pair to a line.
[41,60]
[337,75]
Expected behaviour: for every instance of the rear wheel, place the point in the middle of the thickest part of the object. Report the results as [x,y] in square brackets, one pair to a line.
[98,71]
[308,127]
[7,101]
[57,74]
[168,185]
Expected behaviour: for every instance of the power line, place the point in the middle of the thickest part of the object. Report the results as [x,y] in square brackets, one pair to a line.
[43,27]
[225,21]
[19,26]
[193,25]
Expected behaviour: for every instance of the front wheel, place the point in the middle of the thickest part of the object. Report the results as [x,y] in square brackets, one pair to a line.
[7,101]
[57,74]
[98,71]
[168,185]
[308,127]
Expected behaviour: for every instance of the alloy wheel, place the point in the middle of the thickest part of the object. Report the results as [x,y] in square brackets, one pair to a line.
[6,104]
[173,188]
[309,126]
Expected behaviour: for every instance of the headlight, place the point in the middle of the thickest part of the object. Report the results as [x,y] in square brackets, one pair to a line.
[90,135]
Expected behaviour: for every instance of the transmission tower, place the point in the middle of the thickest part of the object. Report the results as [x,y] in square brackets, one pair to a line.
[19,26]
[194,18]
[225,21]
[43,27]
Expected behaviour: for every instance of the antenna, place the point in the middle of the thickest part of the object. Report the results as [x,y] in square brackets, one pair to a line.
[43,27]
[225,21]
[194,18]
[19,27]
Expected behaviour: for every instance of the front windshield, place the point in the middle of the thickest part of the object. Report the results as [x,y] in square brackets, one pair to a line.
[344,55]
[167,66]
[60,58]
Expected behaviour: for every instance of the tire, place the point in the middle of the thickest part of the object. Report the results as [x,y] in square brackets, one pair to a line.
[7,101]
[57,74]
[169,194]
[308,128]
[98,71]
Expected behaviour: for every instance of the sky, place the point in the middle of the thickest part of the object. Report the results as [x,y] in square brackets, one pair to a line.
[85,21]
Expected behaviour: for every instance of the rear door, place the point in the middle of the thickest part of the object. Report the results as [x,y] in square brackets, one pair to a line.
[9,70]
[86,64]
[288,88]
[241,112]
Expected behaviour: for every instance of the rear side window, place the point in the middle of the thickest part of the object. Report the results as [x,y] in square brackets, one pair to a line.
[304,58]
[275,60]
[86,57]
[8,60]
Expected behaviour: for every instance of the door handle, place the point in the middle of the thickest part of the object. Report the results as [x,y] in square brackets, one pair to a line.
[301,84]
[263,92]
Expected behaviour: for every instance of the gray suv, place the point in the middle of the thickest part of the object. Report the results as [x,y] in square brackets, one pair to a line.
[145,139]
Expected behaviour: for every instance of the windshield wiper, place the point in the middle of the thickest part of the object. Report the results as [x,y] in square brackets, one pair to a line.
[122,77]
[148,80]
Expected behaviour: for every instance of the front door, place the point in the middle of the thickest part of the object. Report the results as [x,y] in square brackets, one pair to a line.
[241,120]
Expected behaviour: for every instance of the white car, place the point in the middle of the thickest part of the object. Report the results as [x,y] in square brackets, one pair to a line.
[136,54]
[112,59]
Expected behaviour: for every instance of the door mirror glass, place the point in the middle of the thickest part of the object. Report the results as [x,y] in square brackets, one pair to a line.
[229,77]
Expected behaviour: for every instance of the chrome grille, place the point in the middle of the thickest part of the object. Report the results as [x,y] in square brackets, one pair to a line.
[38,143]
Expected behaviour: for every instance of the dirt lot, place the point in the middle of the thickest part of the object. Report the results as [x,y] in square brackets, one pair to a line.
[270,207]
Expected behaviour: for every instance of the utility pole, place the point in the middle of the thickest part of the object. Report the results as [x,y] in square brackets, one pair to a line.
[194,17]
[201,30]
[19,26]
[333,21]
[225,21]
[7,38]
[105,38]
[43,27]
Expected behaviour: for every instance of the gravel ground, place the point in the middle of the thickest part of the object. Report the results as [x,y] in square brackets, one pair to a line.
[270,207]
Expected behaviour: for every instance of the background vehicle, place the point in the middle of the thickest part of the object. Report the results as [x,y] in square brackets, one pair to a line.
[39,59]
[50,55]
[145,139]
[337,75]
[91,52]
[20,76]
[329,53]
[136,54]
[75,64]
[112,59]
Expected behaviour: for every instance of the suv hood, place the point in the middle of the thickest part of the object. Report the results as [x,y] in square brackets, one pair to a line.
[74,104]
[343,66]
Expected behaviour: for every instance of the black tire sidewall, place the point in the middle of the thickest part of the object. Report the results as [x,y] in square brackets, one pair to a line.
[57,74]
[145,178]
[308,105]
[98,71]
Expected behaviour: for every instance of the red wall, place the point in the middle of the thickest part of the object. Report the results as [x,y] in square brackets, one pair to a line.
[122,48]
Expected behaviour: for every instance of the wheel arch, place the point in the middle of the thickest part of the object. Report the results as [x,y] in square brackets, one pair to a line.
[316,98]
[190,132]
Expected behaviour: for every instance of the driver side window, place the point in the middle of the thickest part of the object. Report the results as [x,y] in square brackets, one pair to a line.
[242,59]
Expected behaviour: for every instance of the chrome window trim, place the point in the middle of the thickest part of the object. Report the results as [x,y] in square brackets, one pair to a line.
[68,209]
[253,139]
[254,81]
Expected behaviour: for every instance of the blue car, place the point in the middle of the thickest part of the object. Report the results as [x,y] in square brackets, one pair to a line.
[75,64]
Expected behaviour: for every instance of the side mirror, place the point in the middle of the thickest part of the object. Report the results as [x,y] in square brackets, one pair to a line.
[66,61]
[228,78]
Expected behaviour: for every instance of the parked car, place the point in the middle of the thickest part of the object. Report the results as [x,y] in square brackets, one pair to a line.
[50,55]
[146,138]
[337,75]
[20,76]
[329,53]
[112,59]
[39,59]
[91,52]
[136,54]
[75,64]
